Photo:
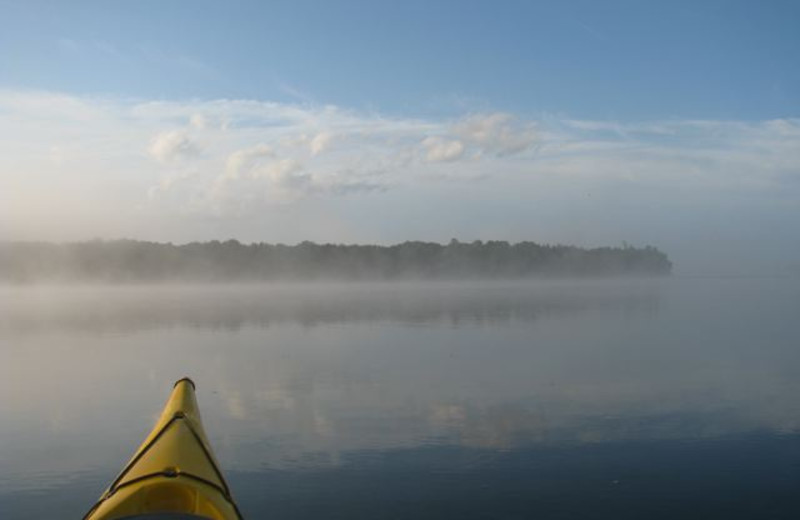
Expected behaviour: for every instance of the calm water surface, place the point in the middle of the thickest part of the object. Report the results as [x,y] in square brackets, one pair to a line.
[676,398]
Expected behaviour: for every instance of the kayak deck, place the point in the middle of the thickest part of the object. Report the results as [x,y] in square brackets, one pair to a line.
[174,471]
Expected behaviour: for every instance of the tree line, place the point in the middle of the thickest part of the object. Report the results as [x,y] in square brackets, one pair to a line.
[138,261]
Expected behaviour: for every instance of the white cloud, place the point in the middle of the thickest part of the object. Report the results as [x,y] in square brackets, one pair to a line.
[198,121]
[498,133]
[438,149]
[172,145]
[285,174]
[86,164]
[321,142]
[249,184]
[241,161]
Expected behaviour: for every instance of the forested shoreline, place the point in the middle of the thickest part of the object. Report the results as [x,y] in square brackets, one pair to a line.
[129,261]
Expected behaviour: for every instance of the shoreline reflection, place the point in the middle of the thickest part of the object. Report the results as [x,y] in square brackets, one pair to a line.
[120,309]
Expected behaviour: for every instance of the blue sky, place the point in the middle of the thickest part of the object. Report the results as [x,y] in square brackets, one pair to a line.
[587,59]
[671,123]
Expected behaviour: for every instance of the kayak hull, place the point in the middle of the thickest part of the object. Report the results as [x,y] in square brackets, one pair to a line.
[174,471]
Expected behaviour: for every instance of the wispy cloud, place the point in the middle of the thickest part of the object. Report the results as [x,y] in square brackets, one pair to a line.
[142,56]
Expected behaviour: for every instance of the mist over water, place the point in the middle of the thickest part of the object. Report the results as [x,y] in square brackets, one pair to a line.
[130,261]
[108,308]
[606,398]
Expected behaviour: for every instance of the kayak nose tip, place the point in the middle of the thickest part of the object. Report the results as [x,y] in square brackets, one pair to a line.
[188,380]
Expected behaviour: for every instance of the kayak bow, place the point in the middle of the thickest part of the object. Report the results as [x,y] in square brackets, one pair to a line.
[173,474]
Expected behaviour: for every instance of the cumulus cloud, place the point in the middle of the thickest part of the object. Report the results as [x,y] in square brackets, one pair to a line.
[244,160]
[498,133]
[286,174]
[495,135]
[172,145]
[254,176]
[438,149]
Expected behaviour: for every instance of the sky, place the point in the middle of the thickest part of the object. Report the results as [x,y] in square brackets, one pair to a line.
[673,124]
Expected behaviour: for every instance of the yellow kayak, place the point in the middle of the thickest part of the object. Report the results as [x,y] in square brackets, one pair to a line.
[173,474]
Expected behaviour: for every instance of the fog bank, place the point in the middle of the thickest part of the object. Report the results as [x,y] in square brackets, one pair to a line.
[124,261]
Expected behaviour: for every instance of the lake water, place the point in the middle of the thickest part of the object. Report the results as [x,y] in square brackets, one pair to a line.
[675,398]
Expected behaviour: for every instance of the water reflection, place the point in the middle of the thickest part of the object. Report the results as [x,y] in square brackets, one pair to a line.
[103,309]
[307,390]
